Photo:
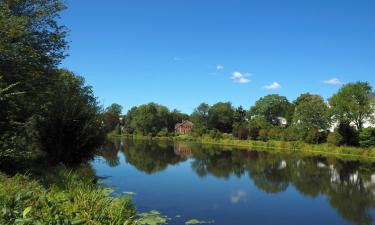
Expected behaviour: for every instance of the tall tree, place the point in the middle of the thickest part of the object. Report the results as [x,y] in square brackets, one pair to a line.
[220,117]
[200,118]
[311,114]
[111,117]
[32,44]
[352,104]
[271,107]
[150,119]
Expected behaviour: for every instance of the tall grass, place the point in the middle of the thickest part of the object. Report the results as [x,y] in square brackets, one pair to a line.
[75,200]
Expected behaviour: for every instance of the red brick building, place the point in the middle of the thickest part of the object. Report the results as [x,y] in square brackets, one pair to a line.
[184,127]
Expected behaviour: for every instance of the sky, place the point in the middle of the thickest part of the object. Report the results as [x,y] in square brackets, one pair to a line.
[180,53]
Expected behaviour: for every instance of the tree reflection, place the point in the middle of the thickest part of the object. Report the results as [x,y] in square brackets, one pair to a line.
[150,156]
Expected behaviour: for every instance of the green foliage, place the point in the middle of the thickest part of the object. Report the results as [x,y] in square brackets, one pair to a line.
[311,115]
[352,104]
[367,137]
[115,109]
[70,128]
[220,117]
[200,118]
[271,107]
[111,118]
[335,138]
[152,218]
[57,113]
[148,119]
[348,133]
[263,135]
[78,201]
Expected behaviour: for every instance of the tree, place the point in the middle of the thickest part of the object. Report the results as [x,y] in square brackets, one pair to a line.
[240,129]
[111,117]
[220,117]
[352,104]
[115,109]
[149,119]
[69,130]
[200,118]
[271,107]
[311,115]
[32,44]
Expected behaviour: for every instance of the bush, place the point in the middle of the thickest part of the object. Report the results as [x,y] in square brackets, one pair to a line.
[289,134]
[367,137]
[215,134]
[79,201]
[263,135]
[274,134]
[254,133]
[348,133]
[335,138]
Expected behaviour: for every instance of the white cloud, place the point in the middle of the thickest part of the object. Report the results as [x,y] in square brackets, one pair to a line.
[273,85]
[219,67]
[333,81]
[238,196]
[240,78]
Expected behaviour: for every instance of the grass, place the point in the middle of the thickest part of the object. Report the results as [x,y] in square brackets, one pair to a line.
[325,149]
[74,200]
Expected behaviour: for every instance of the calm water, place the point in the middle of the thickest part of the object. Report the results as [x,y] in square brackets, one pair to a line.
[239,187]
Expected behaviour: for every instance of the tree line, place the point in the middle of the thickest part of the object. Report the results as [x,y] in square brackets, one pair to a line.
[45,111]
[273,117]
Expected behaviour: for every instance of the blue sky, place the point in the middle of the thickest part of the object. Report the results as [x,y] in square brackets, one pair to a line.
[180,53]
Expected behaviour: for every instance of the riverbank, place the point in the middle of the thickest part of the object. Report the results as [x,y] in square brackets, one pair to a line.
[296,147]
[60,196]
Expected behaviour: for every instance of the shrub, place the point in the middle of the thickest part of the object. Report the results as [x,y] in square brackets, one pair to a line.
[335,138]
[289,134]
[274,134]
[348,133]
[254,133]
[263,135]
[78,201]
[215,134]
[312,136]
[367,137]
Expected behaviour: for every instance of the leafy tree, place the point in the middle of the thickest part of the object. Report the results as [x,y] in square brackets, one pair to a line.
[149,119]
[32,44]
[311,115]
[115,109]
[271,107]
[352,104]
[220,117]
[69,130]
[200,118]
[240,129]
[111,117]
[367,137]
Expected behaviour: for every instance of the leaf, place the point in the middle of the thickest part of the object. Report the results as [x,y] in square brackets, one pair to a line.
[26,211]
[78,222]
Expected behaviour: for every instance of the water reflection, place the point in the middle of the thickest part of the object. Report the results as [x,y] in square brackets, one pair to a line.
[349,186]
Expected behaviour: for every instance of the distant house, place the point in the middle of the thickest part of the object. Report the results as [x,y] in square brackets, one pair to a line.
[184,127]
[282,121]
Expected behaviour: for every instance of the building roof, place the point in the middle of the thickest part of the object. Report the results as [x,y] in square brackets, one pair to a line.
[186,122]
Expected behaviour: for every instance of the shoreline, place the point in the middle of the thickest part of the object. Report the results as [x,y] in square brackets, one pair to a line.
[297,147]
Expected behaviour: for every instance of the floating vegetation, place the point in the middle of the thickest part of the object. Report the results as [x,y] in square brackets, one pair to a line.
[152,218]
[178,216]
[195,221]
[129,193]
